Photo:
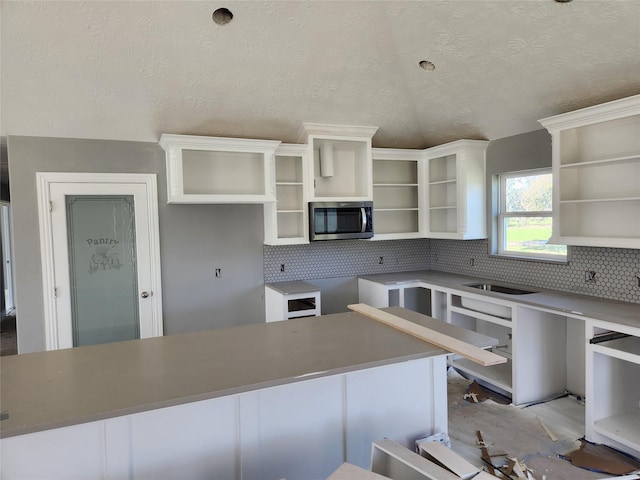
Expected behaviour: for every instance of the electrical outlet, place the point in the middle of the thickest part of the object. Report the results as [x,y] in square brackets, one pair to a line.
[218,272]
[282,268]
[589,276]
[472,262]
[381,261]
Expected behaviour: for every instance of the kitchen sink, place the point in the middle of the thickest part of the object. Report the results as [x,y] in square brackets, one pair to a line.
[492,287]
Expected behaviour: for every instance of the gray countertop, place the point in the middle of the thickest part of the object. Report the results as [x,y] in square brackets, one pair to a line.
[45,390]
[574,305]
[292,288]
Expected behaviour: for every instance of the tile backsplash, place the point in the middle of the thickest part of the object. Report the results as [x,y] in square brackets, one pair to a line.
[616,269]
[344,258]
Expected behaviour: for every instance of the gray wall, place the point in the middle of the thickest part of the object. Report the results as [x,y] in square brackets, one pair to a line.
[194,240]
[526,151]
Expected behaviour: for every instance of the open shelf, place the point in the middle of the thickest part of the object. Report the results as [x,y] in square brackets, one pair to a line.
[608,219]
[614,408]
[627,348]
[595,181]
[600,141]
[498,375]
[596,167]
[625,159]
[442,169]
[623,428]
[218,170]
[505,322]
[286,219]
[341,168]
[396,194]
[455,196]
[443,220]
[621,199]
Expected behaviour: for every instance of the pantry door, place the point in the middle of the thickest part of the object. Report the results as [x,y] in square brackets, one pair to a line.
[100,258]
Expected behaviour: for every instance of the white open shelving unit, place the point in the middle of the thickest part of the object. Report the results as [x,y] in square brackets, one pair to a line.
[455,182]
[596,168]
[397,193]
[341,161]
[218,170]
[286,219]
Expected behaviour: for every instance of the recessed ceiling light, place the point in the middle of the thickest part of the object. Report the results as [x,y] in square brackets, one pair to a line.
[222,16]
[427,65]
[563,1]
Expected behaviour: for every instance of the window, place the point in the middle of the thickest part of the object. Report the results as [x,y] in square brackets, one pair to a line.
[524,216]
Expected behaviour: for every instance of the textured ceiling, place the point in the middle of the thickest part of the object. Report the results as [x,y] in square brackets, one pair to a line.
[134,70]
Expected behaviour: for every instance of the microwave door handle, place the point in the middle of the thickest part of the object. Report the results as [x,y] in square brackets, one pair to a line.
[363,216]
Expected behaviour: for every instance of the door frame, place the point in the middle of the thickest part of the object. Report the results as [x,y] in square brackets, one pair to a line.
[43,181]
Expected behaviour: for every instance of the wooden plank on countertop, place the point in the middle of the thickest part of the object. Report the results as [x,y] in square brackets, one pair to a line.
[478,355]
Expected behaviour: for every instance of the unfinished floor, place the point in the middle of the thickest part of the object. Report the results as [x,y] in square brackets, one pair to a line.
[518,432]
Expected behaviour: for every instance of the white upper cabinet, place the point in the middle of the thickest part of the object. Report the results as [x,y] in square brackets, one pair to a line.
[219,170]
[432,193]
[341,161]
[286,220]
[596,173]
[397,193]
[455,190]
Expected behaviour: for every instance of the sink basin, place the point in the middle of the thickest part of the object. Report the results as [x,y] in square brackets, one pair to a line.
[492,287]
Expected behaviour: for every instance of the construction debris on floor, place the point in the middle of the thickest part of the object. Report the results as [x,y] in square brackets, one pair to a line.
[536,437]
[602,459]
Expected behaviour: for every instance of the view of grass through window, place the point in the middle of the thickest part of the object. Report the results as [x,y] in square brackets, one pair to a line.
[526,216]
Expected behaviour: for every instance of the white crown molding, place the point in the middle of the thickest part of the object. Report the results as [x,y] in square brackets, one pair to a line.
[623,107]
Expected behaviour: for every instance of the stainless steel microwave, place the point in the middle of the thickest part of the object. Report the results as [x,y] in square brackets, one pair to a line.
[340,220]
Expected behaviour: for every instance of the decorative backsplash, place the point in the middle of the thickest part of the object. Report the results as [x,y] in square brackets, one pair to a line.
[615,268]
[344,258]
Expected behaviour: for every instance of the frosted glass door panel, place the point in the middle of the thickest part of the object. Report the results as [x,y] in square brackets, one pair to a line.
[102,268]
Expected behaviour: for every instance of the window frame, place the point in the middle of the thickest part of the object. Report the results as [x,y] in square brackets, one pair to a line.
[502,215]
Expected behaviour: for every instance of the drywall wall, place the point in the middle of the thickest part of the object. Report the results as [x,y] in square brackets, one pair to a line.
[194,239]
[527,151]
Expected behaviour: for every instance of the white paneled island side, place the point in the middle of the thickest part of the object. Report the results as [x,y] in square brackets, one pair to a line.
[290,399]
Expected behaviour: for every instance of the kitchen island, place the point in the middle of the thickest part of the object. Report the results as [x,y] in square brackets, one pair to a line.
[291,399]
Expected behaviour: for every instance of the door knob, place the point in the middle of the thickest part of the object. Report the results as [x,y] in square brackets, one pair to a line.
[145,294]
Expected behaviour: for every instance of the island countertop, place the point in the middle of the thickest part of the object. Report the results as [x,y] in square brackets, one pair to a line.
[46,390]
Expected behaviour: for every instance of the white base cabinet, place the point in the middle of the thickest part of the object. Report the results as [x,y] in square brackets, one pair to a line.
[533,341]
[285,300]
[613,386]
[304,429]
